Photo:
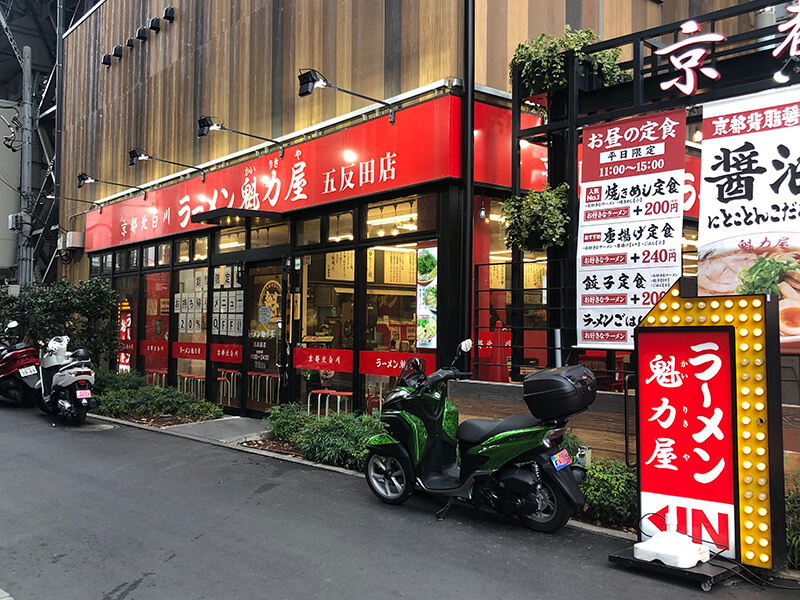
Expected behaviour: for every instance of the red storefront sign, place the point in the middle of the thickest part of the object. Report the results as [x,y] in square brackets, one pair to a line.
[687,458]
[191,350]
[155,349]
[424,145]
[691,188]
[229,353]
[323,359]
[390,363]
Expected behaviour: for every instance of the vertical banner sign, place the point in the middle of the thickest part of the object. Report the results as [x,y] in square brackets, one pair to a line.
[631,218]
[687,462]
[748,228]
[427,267]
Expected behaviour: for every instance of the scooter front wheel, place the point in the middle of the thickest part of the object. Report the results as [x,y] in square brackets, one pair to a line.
[553,509]
[389,478]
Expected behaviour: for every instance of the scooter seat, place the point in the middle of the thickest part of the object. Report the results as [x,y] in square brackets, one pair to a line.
[475,431]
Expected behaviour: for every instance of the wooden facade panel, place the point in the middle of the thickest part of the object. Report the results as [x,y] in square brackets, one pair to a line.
[237,60]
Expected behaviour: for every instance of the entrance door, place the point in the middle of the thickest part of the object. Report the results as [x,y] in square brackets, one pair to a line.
[266,344]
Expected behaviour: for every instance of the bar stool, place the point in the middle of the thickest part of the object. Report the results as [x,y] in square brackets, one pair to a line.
[339,396]
[233,379]
[319,394]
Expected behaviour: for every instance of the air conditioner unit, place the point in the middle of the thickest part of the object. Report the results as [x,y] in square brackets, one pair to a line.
[71,240]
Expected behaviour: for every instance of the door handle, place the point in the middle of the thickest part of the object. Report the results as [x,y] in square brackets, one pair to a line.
[278,341]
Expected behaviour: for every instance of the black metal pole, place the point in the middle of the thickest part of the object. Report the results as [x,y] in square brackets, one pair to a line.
[468,119]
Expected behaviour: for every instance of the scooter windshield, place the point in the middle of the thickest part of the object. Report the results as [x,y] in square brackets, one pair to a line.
[412,373]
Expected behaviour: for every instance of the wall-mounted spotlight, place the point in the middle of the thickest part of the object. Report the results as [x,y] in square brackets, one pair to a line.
[169,14]
[206,124]
[83,179]
[137,154]
[792,65]
[106,60]
[117,52]
[311,78]
[129,43]
[141,34]
[93,204]
[155,24]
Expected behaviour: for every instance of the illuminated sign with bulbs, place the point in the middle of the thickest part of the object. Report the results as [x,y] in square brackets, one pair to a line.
[710,432]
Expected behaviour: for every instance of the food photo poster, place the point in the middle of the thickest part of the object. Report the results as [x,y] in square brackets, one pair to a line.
[748,233]
[426,297]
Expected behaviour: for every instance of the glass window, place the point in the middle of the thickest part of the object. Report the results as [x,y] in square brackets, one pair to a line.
[155,347]
[164,253]
[128,310]
[396,217]
[340,227]
[266,330]
[226,330]
[183,251]
[189,302]
[94,268]
[149,257]
[200,248]
[107,263]
[268,233]
[121,260]
[133,258]
[326,323]
[231,239]
[309,232]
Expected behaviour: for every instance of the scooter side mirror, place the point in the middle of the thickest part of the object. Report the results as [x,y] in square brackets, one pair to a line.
[11,325]
[465,346]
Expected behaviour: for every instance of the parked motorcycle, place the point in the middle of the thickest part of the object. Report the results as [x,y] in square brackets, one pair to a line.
[67,379]
[513,466]
[19,369]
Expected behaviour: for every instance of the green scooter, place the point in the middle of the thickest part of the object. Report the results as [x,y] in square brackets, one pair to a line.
[513,466]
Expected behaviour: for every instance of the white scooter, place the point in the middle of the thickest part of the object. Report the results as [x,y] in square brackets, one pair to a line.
[66,379]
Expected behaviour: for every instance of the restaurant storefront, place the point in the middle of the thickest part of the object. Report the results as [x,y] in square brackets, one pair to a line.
[311,277]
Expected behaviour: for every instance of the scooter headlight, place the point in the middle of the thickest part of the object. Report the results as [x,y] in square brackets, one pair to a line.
[397,395]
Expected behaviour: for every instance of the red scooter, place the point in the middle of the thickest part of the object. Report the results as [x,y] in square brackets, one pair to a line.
[19,370]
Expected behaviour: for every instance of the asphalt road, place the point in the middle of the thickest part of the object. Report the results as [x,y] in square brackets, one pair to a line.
[127,514]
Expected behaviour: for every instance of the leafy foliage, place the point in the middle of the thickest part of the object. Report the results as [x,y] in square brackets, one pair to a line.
[151,402]
[111,381]
[793,522]
[537,219]
[339,440]
[543,59]
[611,493]
[86,312]
[286,421]
[571,444]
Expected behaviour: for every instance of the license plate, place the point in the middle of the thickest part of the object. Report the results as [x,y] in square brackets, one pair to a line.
[27,371]
[83,393]
[561,460]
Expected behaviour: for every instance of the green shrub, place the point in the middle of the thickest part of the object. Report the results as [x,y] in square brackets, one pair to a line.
[339,440]
[111,381]
[611,493]
[793,522]
[286,421]
[150,402]
[571,444]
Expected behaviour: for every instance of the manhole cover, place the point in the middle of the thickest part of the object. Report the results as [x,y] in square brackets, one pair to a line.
[92,427]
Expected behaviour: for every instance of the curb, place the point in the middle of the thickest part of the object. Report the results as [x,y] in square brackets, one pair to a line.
[233,444]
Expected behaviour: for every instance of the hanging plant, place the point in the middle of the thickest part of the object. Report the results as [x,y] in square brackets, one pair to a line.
[542,60]
[537,220]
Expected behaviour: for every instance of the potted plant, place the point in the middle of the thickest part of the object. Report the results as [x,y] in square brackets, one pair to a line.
[542,61]
[537,220]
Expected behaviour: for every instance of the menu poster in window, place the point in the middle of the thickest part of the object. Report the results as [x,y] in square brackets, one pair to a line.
[399,267]
[164,306]
[371,265]
[631,220]
[152,307]
[217,278]
[427,267]
[340,265]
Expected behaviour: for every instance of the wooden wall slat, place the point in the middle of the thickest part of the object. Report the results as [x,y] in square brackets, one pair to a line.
[237,60]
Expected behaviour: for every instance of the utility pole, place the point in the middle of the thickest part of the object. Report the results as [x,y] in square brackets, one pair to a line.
[24,248]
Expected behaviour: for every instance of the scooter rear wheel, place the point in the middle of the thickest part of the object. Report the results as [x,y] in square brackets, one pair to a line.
[389,478]
[80,415]
[554,509]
